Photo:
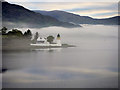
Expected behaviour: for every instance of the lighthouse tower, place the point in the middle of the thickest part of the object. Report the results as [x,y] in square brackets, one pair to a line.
[58,40]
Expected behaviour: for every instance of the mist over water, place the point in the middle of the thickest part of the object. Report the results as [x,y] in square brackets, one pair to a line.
[93,63]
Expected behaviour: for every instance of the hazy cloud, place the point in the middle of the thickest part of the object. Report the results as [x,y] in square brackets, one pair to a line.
[93,9]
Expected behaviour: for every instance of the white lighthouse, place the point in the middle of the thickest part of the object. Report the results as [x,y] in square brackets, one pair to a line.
[58,40]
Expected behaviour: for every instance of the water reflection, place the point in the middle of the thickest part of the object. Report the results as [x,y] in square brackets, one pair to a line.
[48,49]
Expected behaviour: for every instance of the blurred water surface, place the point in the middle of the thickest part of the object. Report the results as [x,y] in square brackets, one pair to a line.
[93,63]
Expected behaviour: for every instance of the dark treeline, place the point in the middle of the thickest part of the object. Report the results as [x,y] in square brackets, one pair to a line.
[15,33]
[15,39]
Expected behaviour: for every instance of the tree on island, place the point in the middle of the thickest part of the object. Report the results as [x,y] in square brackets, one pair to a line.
[35,37]
[3,30]
[15,32]
[50,39]
[28,34]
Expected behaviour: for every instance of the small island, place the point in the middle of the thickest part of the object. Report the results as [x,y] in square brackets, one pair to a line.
[47,42]
[16,40]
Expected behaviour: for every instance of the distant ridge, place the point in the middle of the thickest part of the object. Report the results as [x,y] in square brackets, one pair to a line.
[18,16]
[70,17]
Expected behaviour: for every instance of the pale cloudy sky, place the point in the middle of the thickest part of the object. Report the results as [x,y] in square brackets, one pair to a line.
[101,9]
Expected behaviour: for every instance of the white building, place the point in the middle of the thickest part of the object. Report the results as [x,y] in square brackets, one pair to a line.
[43,42]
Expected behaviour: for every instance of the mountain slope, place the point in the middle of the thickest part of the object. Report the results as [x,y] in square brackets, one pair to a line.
[70,17]
[18,16]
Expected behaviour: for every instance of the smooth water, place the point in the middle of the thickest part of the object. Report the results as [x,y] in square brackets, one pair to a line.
[93,63]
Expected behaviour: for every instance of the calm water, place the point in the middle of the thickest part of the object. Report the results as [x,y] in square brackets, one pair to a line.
[92,64]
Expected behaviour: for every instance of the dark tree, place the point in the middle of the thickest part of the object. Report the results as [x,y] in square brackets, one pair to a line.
[3,30]
[28,34]
[15,32]
[25,33]
[50,39]
[36,36]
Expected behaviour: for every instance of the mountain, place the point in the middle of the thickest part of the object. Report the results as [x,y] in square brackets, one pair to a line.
[18,16]
[74,18]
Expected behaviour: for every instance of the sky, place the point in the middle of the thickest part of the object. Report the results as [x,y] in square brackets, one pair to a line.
[101,9]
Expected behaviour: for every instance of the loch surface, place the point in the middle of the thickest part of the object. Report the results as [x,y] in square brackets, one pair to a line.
[93,63]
